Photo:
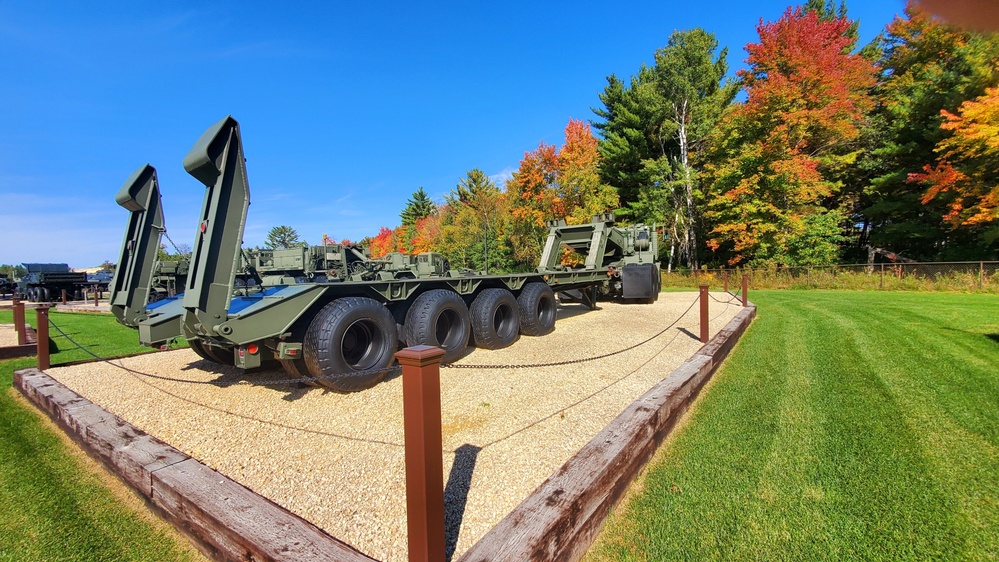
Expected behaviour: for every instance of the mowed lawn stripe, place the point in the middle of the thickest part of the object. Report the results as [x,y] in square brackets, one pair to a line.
[874,465]
[951,404]
[824,437]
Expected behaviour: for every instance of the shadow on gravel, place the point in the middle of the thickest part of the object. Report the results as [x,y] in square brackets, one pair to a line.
[689,333]
[456,495]
[569,310]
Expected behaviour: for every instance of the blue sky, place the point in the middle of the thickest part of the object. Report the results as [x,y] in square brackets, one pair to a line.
[345,108]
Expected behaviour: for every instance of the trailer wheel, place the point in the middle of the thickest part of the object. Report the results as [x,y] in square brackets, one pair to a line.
[46,295]
[220,355]
[348,335]
[537,309]
[439,318]
[198,348]
[495,320]
[297,369]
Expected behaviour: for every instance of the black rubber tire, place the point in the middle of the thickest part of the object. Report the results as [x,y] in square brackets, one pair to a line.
[495,319]
[46,295]
[198,348]
[350,334]
[537,309]
[439,318]
[297,369]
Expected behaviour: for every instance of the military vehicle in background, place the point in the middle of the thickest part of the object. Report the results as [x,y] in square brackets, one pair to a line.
[344,331]
[45,282]
[100,279]
[169,278]
[7,286]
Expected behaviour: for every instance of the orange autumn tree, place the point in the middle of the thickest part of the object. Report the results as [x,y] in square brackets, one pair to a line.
[966,175]
[383,243]
[554,183]
[772,159]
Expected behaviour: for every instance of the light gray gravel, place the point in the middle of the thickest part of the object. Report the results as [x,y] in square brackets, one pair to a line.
[337,459]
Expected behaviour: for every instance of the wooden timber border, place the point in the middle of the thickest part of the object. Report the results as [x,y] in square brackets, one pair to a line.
[229,522]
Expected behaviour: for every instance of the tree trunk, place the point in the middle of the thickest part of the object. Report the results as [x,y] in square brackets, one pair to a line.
[688,185]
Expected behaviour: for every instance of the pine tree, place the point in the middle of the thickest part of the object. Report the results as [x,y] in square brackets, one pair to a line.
[282,237]
[419,206]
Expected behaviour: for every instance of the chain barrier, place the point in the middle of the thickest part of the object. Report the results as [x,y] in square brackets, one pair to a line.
[573,361]
[137,375]
[140,376]
[731,300]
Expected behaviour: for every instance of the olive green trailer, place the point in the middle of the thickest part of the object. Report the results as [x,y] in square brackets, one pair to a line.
[344,330]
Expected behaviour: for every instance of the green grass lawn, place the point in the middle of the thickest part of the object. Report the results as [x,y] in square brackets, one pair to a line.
[845,426]
[54,505]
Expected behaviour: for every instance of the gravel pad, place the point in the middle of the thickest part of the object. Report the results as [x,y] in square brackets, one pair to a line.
[8,335]
[338,459]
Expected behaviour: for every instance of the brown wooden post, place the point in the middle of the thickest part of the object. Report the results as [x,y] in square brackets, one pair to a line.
[704,314]
[421,404]
[745,290]
[22,331]
[725,277]
[96,295]
[42,333]
[64,296]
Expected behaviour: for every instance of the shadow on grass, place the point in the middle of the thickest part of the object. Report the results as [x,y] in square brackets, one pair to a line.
[993,337]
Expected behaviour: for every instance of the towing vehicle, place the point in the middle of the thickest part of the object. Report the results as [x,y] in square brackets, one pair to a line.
[345,332]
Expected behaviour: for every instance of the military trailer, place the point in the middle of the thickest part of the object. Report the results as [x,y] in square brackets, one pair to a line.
[45,282]
[345,332]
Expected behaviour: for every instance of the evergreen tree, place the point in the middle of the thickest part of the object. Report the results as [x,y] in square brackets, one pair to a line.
[419,206]
[652,129]
[282,237]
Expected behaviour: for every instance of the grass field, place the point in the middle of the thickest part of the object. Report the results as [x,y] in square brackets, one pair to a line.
[54,505]
[845,426]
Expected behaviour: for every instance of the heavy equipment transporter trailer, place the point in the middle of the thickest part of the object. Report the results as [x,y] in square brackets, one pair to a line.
[344,331]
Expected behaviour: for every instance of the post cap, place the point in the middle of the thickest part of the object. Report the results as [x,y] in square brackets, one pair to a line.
[420,355]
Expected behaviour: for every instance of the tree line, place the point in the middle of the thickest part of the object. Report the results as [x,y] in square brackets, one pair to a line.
[832,149]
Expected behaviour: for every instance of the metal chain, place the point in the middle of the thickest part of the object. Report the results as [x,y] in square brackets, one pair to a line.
[175,248]
[731,300]
[573,361]
[137,374]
